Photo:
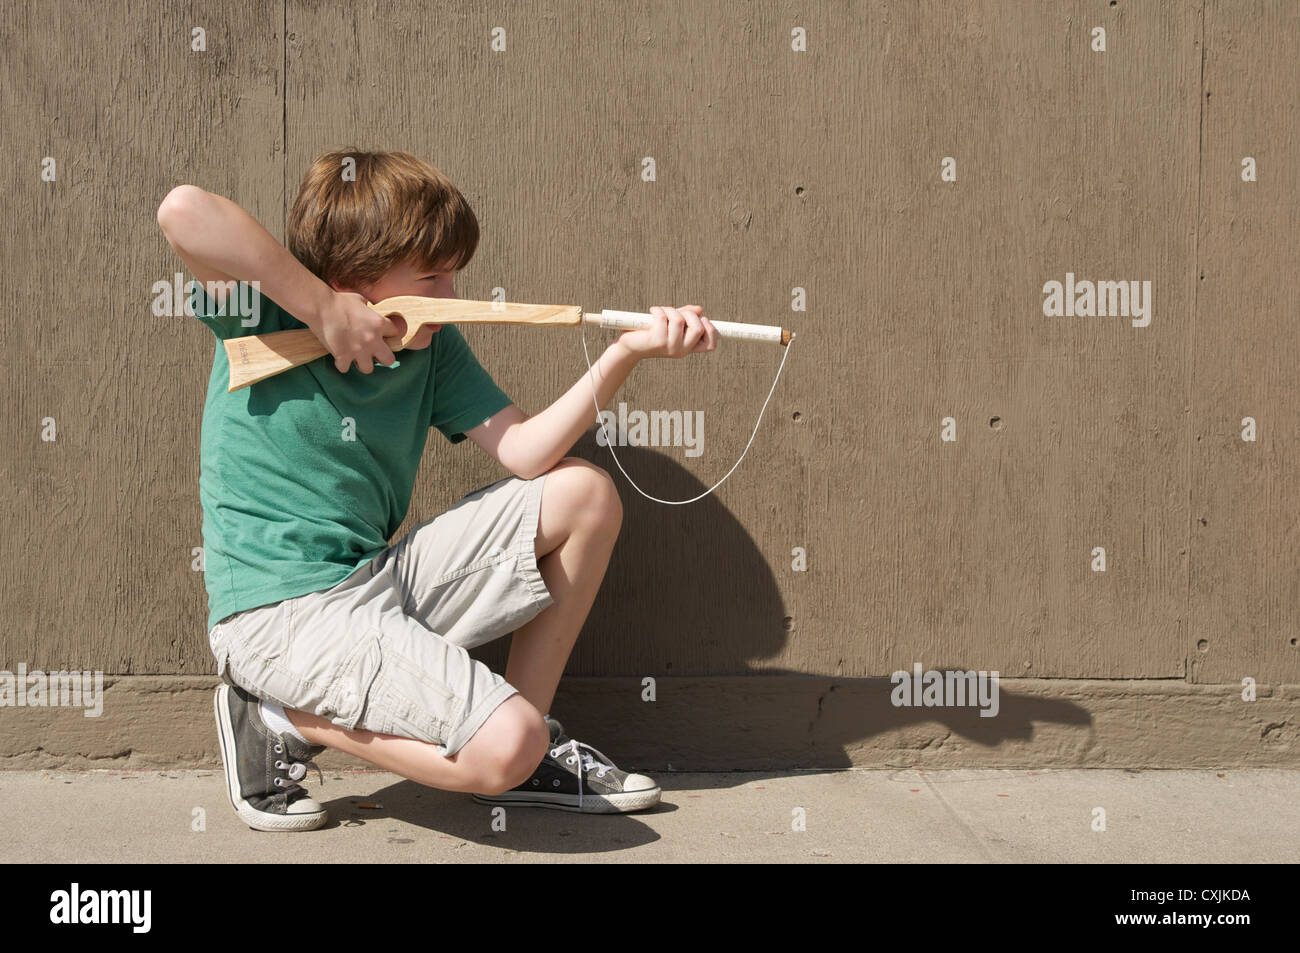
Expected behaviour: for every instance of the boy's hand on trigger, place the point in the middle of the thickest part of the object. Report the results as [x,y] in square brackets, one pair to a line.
[353,331]
[676,333]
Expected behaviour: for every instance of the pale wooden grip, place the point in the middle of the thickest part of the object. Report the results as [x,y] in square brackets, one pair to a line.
[255,357]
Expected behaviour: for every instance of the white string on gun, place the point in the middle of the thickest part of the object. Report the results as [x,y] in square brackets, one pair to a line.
[610,444]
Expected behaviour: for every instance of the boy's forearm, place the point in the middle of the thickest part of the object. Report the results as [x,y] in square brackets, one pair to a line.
[546,437]
[213,231]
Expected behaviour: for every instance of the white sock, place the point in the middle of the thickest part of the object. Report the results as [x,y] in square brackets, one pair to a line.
[276,720]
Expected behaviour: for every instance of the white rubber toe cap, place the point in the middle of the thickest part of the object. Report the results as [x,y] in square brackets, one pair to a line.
[638,782]
[304,805]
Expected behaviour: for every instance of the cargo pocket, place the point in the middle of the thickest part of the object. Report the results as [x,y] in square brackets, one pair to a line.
[345,699]
[411,703]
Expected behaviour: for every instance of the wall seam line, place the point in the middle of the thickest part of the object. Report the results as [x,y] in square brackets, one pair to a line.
[1191,357]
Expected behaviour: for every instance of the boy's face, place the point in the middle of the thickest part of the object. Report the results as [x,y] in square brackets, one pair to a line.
[407,279]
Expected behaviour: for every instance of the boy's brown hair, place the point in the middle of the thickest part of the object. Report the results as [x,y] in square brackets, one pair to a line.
[399,209]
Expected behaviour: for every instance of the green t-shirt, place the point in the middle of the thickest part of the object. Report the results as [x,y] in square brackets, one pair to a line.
[306,475]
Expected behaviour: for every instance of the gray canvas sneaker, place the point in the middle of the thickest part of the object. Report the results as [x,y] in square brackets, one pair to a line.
[263,767]
[576,777]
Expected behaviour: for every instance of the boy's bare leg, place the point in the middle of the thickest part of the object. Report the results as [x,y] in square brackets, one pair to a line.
[501,754]
[580,518]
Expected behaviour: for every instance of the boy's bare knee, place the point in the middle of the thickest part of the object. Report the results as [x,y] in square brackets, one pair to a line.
[512,744]
[519,763]
[595,488]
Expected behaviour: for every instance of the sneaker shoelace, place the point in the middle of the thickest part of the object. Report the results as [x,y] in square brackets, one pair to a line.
[586,760]
[295,771]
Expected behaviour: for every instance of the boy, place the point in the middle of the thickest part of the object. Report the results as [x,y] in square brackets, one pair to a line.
[324,634]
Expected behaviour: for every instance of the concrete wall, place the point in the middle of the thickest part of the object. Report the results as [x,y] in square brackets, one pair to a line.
[775,170]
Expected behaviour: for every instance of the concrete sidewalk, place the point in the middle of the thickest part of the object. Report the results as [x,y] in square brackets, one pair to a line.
[1226,816]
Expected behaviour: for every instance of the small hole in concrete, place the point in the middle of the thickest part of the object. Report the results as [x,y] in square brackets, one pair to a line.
[788,622]
[1202,646]
[995,423]
[798,190]
[796,416]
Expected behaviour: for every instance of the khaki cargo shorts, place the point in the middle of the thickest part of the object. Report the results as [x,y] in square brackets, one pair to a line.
[385,650]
